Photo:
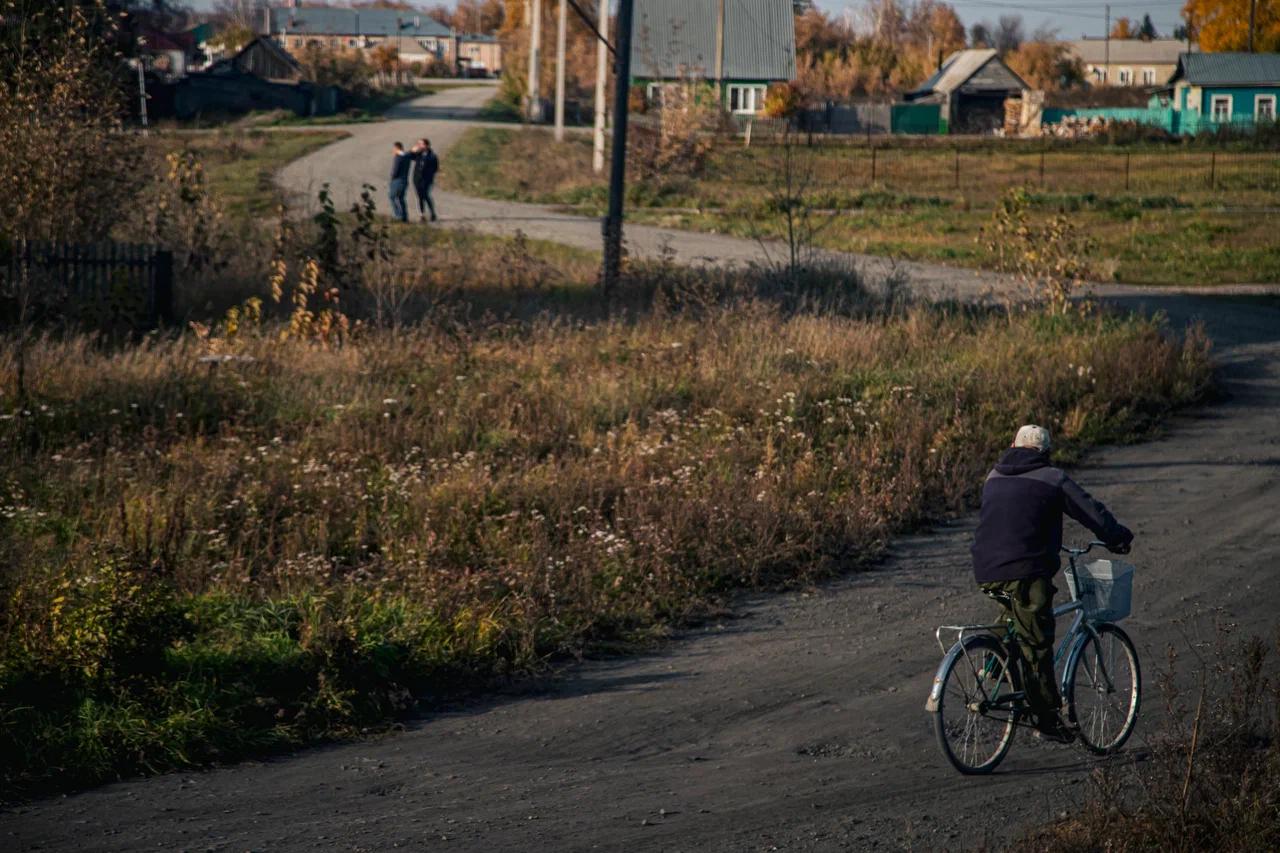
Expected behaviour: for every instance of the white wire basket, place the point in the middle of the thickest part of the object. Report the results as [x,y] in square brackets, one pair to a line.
[1105,587]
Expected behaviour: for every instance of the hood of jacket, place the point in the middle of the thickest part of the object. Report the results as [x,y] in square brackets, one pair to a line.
[1020,460]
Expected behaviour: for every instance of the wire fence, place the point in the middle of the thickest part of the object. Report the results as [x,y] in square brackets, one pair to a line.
[1251,178]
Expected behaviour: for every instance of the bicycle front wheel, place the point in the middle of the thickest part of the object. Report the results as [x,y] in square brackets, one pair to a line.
[977,707]
[1104,689]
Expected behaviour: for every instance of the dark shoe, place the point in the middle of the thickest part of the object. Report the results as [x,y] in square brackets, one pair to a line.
[434,217]
[1051,729]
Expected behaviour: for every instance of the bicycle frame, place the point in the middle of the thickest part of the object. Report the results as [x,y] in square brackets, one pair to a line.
[1074,640]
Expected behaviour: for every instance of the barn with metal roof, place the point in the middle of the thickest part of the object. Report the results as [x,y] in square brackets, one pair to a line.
[971,87]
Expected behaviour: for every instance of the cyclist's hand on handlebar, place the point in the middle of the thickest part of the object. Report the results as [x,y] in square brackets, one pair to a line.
[1120,548]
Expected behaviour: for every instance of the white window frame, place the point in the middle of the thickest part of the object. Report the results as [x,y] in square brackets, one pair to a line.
[749,98]
[1124,77]
[1258,101]
[1148,76]
[1214,100]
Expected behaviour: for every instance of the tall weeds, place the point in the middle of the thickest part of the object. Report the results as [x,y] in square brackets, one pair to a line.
[211,551]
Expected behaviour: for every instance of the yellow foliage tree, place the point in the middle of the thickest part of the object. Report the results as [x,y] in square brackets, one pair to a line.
[1123,29]
[1224,24]
[1047,65]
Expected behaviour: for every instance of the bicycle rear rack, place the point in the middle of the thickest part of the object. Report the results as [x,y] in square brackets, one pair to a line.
[961,630]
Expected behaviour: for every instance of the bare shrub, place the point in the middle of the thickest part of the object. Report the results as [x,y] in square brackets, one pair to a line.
[675,137]
[66,167]
[1050,255]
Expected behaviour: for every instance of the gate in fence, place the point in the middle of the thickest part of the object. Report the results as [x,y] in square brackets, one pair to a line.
[104,285]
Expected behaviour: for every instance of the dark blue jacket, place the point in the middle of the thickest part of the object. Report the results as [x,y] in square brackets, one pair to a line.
[425,166]
[400,164]
[1020,527]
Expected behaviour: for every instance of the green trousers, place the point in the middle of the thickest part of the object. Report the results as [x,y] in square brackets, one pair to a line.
[1029,604]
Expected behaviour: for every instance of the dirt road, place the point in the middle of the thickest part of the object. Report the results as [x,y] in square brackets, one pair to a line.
[798,724]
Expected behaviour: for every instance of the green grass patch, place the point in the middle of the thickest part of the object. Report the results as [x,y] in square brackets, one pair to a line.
[1155,217]
[241,165]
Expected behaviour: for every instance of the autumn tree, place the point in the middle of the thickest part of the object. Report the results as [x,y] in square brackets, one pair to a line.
[386,61]
[1122,29]
[1008,34]
[1223,25]
[580,53]
[234,36]
[1046,63]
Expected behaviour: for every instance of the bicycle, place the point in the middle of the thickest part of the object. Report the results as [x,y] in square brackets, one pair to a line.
[978,700]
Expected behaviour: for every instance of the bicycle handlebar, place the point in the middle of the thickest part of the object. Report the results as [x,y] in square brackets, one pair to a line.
[1078,552]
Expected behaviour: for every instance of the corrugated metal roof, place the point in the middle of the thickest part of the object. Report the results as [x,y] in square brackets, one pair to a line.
[1226,69]
[1095,51]
[962,65]
[350,22]
[673,38]
[956,70]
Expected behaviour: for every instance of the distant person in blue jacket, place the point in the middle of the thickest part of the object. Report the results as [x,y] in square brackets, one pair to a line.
[425,166]
[400,164]
[1016,554]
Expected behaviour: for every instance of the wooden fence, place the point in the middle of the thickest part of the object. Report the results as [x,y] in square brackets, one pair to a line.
[111,282]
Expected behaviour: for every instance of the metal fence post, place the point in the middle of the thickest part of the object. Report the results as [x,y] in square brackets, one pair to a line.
[1213,169]
[957,168]
[873,164]
[1126,171]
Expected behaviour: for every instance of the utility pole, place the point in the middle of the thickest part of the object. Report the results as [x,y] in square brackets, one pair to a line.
[612,226]
[1106,55]
[602,80]
[561,24]
[142,95]
[720,51]
[535,60]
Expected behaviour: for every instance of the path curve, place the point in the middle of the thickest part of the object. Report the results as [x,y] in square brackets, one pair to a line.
[364,157]
[796,725]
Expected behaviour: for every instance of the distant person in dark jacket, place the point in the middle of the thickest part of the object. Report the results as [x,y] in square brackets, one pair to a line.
[399,185]
[425,166]
[1016,554]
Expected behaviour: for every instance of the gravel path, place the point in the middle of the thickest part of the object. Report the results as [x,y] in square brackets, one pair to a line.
[798,724]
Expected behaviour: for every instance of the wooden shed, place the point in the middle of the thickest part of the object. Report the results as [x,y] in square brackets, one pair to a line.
[971,87]
[264,59]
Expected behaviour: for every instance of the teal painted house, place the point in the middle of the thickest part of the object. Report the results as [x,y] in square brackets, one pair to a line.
[739,46]
[1210,90]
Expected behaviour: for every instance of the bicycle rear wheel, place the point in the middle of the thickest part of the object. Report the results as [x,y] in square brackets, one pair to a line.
[977,708]
[1104,689]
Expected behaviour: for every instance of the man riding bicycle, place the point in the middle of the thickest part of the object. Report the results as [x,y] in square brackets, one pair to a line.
[1015,556]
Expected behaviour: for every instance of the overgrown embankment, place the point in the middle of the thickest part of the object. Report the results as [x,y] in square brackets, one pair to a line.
[209,557]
